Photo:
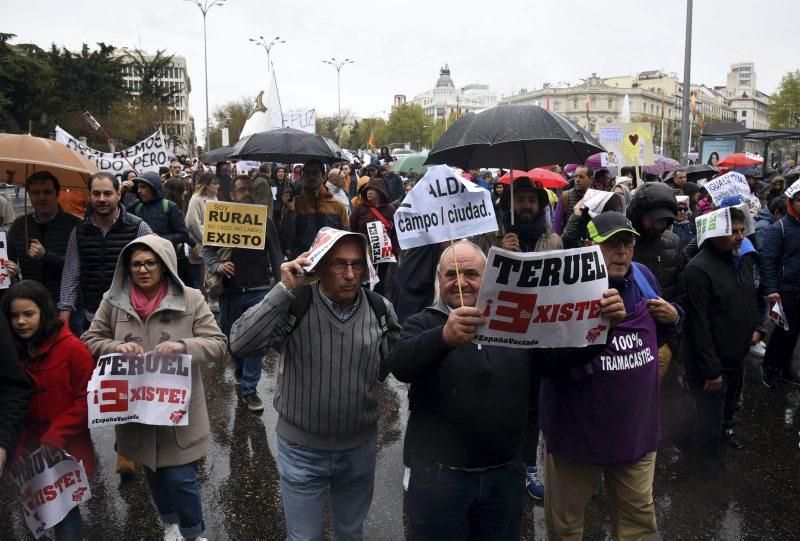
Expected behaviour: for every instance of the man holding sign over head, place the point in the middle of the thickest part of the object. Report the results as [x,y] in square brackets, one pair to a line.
[604,418]
[469,407]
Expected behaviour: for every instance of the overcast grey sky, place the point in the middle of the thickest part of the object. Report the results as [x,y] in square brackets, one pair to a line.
[400,46]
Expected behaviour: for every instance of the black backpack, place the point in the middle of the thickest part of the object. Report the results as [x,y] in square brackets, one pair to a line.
[302,300]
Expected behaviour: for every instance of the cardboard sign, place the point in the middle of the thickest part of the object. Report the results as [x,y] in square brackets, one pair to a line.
[5,276]
[716,223]
[543,299]
[51,482]
[627,143]
[793,189]
[727,185]
[380,243]
[595,200]
[443,206]
[150,390]
[324,241]
[235,225]
[146,155]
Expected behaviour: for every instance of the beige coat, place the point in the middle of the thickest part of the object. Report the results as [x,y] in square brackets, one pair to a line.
[195,216]
[182,316]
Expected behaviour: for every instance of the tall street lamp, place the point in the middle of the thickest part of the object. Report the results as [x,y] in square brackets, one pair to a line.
[204,6]
[339,65]
[268,46]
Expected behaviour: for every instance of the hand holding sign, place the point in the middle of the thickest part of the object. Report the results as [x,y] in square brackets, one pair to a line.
[462,325]
[169,349]
[130,349]
[612,307]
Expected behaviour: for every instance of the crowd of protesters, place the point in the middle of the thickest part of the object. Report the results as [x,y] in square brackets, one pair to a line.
[122,269]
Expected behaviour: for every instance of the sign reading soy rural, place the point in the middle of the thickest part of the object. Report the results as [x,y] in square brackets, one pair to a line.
[235,225]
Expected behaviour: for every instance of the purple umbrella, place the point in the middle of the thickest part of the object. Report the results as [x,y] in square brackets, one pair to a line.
[570,168]
[662,165]
[594,162]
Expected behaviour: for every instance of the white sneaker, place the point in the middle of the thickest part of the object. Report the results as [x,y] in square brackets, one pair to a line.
[406,478]
[758,349]
[172,533]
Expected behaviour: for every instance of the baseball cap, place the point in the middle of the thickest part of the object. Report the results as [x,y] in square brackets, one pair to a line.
[660,213]
[607,224]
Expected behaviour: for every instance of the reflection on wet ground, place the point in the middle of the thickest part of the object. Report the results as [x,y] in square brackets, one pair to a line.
[757,498]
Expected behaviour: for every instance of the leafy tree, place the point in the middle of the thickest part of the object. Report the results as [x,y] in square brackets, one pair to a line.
[361,131]
[232,115]
[784,105]
[24,80]
[151,70]
[407,125]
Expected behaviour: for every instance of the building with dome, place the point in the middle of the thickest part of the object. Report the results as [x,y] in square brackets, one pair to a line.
[445,99]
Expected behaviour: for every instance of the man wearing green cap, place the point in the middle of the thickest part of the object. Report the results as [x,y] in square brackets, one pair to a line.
[615,400]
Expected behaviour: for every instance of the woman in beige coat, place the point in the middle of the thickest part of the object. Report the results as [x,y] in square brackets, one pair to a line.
[148,308]
[206,189]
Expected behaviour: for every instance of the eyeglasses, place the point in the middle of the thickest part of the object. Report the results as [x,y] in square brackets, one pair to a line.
[682,209]
[340,267]
[149,265]
[614,242]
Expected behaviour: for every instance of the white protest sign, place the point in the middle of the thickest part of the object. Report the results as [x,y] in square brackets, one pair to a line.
[299,120]
[727,185]
[793,189]
[777,315]
[380,244]
[243,167]
[152,390]
[714,224]
[146,155]
[443,206]
[682,199]
[595,200]
[5,277]
[51,482]
[543,299]
[325,240]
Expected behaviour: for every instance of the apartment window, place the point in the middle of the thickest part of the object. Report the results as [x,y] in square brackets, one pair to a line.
[574,104]
[556,106]
[610,103]
[744,114]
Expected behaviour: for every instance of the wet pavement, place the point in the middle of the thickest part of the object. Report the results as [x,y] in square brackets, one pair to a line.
[758,498]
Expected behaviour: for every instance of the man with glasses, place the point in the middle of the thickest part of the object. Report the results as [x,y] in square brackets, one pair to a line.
[247,277]
[469,408]
[603,419]
[315,208]
[327,396]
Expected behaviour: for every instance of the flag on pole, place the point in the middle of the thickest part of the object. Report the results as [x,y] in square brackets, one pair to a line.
[372,144]
[693,106]
[264,110]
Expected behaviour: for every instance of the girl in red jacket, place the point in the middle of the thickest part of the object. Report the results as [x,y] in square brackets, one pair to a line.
[59,367]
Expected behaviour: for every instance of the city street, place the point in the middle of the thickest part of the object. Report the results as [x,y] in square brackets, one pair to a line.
[241,497]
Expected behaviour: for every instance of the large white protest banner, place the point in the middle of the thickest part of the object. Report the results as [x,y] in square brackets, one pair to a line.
[51,482]
[152,390]
[380,244]
[729,184]
[543,299]
[441,207]
[146,155]
[325,240]
[299,120]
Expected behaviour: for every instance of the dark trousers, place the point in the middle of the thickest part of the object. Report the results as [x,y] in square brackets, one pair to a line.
[454,504]
[781,344]
[713,413]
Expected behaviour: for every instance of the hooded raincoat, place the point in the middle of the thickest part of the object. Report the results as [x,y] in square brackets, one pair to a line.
[182,316]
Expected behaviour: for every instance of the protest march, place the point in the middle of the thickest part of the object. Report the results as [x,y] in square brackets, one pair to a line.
[244,298]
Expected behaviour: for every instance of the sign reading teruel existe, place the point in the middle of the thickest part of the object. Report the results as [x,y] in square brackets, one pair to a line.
[543,299]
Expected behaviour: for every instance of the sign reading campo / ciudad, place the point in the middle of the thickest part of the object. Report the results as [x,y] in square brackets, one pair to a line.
[235,225]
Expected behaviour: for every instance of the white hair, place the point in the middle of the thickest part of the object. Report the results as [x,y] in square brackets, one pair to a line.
[436,292]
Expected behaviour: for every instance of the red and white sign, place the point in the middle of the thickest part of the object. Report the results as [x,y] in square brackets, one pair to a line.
[380,244]
[51,482]
[543,299]
[5,276]
[152,390]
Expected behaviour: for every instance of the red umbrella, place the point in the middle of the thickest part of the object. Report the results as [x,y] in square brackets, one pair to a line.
[738,159]
[506,179]
[546,178]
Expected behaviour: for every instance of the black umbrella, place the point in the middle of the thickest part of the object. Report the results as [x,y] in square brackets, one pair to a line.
[694,172]
[515,137]
[217,155]
[285,145]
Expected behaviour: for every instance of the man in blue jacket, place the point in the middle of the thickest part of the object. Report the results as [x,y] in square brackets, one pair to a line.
[163,216]
[780,271]
[469,407]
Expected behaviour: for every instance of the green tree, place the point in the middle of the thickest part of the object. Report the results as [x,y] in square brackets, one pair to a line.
[232,115]
[784,105]
[24,80]
[152,69]
[407,125]
[361,131]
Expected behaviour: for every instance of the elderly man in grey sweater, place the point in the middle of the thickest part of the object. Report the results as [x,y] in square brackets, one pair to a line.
[327,397]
